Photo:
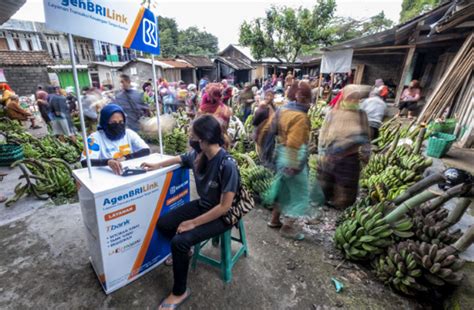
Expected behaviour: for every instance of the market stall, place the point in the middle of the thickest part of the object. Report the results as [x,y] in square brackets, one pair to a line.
[120,215]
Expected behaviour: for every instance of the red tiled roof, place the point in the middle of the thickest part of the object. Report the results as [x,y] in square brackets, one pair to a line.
[24,58]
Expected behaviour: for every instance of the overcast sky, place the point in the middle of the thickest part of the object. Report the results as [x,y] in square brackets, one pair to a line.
[223,17]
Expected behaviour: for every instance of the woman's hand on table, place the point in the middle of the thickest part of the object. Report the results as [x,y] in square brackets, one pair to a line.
[116,166]
[185,226]
[150,166]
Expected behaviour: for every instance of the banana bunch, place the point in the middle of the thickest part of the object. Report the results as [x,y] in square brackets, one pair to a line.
[316,116]
[257,179]
[428,228]
[44,178]
[349,213]
[376,165]
[440,265]
[364,235]
[415,162]
[399,269]
[389,131]
[175,142]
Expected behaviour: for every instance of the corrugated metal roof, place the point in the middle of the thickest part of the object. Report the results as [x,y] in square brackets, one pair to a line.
[234,63]
[248,53]
[9,8]
[197,61]
[395,35]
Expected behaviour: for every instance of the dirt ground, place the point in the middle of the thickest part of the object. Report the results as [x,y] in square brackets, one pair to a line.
[45,265]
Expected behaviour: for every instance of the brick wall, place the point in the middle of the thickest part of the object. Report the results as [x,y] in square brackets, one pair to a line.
[386,67]
[25,79]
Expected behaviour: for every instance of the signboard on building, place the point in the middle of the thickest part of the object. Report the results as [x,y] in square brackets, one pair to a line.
[123,23]
[337,61]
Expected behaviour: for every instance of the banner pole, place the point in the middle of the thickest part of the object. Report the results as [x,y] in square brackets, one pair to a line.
[79,101]
[157,105]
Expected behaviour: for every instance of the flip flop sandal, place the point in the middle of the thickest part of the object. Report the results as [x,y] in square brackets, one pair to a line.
[175,306]
[274,225]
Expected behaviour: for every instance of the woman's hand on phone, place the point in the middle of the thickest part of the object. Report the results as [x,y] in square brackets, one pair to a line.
[116,166]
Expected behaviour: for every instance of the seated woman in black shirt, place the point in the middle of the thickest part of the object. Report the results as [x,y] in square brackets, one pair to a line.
[217,180]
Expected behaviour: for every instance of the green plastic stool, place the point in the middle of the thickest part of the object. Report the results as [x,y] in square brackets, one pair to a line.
[227,260]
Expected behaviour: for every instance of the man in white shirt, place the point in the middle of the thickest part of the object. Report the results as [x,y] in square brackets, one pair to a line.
[375,108]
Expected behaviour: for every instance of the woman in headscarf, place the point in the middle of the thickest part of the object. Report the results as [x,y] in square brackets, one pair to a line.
[113,142]
[212,104]
[343,143]
[290,189]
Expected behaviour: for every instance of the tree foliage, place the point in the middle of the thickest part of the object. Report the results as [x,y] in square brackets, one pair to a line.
[413,8]
[187,41]
[347,28]
[285,31]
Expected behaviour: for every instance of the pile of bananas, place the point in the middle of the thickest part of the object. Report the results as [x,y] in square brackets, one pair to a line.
[388,175]
[368,232]
[399,270]
[47,147]
[377,164]
[412,267]
[44,178]
[395,129]
[175,142]
[256,179]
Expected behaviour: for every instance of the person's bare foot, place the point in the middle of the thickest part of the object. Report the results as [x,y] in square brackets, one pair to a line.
[172,301]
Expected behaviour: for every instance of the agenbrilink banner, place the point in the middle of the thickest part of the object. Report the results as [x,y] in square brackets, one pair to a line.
[120,22]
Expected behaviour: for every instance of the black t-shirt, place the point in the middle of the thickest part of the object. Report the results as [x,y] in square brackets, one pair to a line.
[220,176]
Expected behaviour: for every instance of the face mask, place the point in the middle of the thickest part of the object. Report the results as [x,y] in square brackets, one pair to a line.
[115,131]
[195,145]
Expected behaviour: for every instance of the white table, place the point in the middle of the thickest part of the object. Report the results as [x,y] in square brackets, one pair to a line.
[120,216]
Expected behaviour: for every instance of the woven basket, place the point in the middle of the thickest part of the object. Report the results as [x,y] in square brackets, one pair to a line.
[9,153]
[439,144]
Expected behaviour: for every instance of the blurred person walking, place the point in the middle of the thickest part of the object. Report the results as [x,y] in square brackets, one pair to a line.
[343,144]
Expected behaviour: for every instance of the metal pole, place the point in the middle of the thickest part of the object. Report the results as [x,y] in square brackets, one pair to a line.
[79,100]
[155,87]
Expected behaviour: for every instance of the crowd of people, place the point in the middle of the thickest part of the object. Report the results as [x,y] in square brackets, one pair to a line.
[279,106]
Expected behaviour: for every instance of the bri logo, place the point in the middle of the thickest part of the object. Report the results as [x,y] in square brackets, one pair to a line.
[150,33]
[117,226]
[97,9]
[133,193]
